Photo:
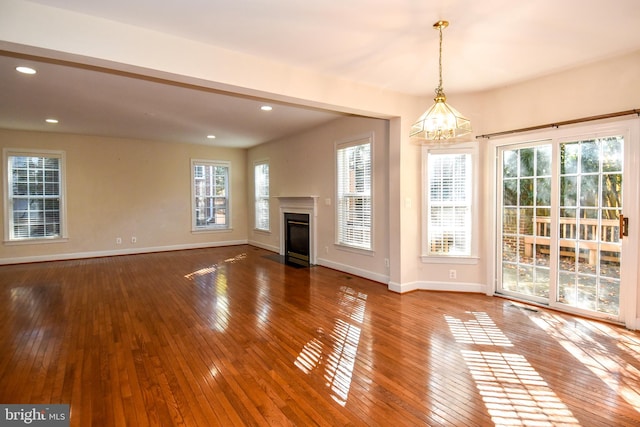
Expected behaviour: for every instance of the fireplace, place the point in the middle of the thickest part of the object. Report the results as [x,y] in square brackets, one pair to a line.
[307,207]
[296,240]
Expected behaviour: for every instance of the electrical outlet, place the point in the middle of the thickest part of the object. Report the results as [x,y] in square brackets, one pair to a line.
[452,274]
[386,262]
[118,240]
[134,239]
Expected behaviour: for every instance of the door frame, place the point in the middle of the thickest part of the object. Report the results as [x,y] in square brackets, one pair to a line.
[630,128]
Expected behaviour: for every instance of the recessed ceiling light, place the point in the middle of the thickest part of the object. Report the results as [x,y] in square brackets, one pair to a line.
[211,136]
[26,70]
[53,121]
[266,108]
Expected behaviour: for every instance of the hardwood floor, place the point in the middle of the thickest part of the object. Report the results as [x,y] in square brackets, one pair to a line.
[230,336]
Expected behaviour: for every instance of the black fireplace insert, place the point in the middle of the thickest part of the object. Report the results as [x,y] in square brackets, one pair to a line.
[296,238]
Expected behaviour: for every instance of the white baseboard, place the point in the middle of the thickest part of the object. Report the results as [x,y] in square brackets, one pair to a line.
[437,286]
[402,288]
[269,248]
[131,251]
[376,277]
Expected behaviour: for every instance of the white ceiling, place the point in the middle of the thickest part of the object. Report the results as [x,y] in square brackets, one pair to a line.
[384,43]
[94,102]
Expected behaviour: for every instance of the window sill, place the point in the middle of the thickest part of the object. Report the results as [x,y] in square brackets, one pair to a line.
[261,231]
[444,259]
[355,250]
[36,241]
[211,230]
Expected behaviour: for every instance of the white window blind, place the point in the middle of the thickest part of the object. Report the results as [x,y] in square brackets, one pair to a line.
[210,194]
[449,204]
[354,194]
[34,195]
[261,177]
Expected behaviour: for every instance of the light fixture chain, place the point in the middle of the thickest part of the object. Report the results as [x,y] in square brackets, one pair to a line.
[439,89]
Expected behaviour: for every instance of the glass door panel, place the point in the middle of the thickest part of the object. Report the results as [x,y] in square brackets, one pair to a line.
[526,224]
[589,239]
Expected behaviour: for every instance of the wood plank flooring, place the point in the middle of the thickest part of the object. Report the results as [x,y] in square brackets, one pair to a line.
[230,336]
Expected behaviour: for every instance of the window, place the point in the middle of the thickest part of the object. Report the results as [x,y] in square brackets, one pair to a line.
[34,195]
[261,181]
[448,197]
[210,201]
[354,193]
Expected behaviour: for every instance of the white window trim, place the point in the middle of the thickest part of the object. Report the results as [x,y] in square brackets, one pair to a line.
[461,148]
[255,220]
[210,228]
[345,143]
[64,235]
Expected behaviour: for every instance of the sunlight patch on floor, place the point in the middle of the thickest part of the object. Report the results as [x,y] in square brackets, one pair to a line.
[352,304]
[341,361]
[201,272]
[337,358]
[481,330]
[627,341]
[236,258]
[310,356]
[512,390]
[212,268]
[622,377]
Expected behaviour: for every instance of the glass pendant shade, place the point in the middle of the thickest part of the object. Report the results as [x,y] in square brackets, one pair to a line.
[441,121]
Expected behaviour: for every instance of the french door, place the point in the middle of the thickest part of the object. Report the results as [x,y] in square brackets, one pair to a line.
[561,222]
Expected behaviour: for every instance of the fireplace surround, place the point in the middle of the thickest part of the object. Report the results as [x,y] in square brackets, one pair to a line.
[293,206]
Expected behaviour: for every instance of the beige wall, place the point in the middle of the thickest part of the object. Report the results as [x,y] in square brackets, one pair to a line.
[593,89]
[303,165]
[125,188]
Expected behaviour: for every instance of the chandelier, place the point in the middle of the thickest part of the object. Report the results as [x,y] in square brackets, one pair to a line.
[441,121]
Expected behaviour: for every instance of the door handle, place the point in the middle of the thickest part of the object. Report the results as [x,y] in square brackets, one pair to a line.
[624,226]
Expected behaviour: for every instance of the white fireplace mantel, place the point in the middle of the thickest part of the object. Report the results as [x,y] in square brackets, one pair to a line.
[304,202]
[303,205]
